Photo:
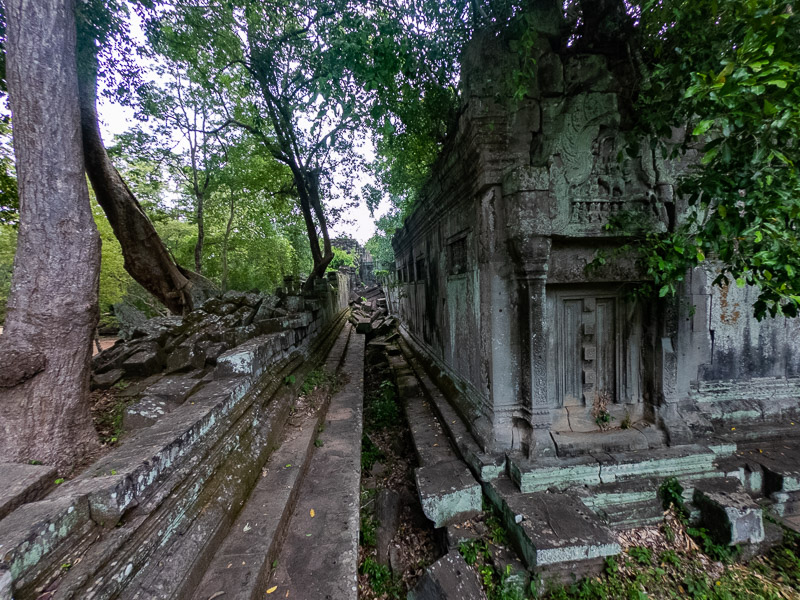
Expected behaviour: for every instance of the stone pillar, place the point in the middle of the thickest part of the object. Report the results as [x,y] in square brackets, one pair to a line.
[534,254]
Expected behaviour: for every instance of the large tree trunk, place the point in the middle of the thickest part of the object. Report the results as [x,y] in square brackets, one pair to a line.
[307,183]
[46,347]
[147,260]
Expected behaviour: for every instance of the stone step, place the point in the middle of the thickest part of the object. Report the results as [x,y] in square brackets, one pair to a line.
[554,533]
[182,565]
[544,473]
[448,491]
[319,557]
[240,567]
[21,483]
[193,505]
[485,466]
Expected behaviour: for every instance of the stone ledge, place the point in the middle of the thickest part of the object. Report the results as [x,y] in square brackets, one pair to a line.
[23,483]
[730,514]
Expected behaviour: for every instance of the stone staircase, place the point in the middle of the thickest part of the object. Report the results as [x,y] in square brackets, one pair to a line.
[211,497]
[562,512]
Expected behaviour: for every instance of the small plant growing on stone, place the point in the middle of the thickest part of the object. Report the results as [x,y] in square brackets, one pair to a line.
[710,547]
[600,410]
[671,493]
[626,422]
[289,380]
[318,443]
[369,531]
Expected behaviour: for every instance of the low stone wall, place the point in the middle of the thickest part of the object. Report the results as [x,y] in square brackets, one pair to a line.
[206,386]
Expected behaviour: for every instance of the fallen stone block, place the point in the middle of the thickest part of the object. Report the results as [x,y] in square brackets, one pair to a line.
[387,514]
[552,529]
[173,388]
[448,492]
[103,381]
[449,578]
[728,512]
[185,358]
[250,358]
[147,361]
[21,483]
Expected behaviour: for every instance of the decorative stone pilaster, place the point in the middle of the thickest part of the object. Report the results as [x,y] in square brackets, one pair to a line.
[533,254]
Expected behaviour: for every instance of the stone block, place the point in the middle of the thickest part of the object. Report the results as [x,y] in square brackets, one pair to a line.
[559,473]
[449,578]
[185,358]
[250,358]
[103,381]
[21,483]
[448,492]
[144,362]
[663,462]
[552,529]
[33,530]
[145,412]
[293,304]
[728,512]
[173,388]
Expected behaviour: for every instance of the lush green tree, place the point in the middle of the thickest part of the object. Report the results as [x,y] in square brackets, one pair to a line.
[380,244]
[8,246]
[9,195]
[730,72]
[341,258]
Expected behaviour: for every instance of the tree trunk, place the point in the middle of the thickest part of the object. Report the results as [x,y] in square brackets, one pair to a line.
[201,235]
[52,309]
[310,201]
[225,246]
[147,260]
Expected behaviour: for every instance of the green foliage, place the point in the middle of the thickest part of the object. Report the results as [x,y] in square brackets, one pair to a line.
[711,548]
[341,258]
[9,195]
[318,378]
[671,493]
[368,531]
[474,549]
[370,453]
[380,578]
[8,246]
[382,411]
[380,244]
[731,70]
[114,279]
[643,556]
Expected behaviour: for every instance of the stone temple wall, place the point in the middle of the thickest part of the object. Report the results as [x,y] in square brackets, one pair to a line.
[491,275]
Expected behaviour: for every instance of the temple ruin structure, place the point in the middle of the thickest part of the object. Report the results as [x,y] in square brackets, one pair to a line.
[549,357]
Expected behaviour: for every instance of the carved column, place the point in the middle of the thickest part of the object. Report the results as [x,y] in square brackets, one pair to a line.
[534,255]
